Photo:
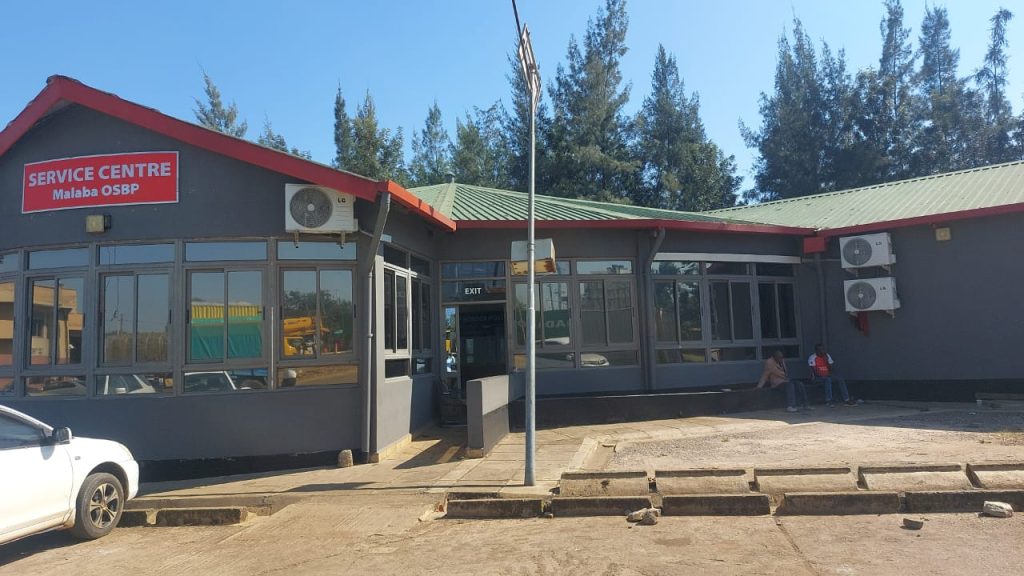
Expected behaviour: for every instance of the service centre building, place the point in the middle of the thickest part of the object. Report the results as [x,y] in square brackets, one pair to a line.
[195,295]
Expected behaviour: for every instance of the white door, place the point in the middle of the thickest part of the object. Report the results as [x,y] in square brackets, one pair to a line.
[35,482]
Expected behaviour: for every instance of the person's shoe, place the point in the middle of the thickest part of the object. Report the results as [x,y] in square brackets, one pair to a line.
[791,409]
[851,402]
[830,404]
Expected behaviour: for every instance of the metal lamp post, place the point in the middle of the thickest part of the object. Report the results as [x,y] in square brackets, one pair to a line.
[532,77]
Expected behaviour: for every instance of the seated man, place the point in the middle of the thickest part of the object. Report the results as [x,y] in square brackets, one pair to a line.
[823,369]
[774,374]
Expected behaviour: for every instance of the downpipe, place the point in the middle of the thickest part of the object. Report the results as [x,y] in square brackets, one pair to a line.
[368,354]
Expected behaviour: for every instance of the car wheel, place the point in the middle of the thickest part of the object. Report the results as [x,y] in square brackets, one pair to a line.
[98,507]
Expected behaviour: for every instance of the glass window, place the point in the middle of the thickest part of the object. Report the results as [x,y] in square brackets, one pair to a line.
[728,268]
[402,312]
[675,268]
[217,251]
[14,433]
[682,355]
[665,311]
[305,376]
[9,262]
[236,297]
[787,311]
[773,269]
[55,386]
[732,354]
[547,361]
[721,323]
[553,314]
[422,365]
[57,318]
[65,258]
[790,351]
[336,312]
[6,386]
[396,257]
[419,265]
[7,307]
[117,384]
[153,318]
[473,291]
[490,269]
[769,311]
[118,319]
[136,254]
[389,310]
[742,311]
[316,251]
[298,313]
[619,298]
[688,302]
[225,380]
[417,318]
[604,267]
[605,359]
[593,322]
[396,368]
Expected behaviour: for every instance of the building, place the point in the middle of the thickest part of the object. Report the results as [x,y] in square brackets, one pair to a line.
[171,310]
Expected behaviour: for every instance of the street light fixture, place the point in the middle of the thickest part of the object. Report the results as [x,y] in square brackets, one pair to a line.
[531,75]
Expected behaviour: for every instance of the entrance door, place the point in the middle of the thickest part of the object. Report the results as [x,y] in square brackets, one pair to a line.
[481,337]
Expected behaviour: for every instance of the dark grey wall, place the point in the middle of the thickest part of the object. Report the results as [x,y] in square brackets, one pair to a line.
[218,196]
[211,426]
[961,314]
[487,402]
[497,243]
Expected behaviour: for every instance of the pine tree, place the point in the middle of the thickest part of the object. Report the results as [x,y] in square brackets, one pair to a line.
[215,116]
[376,152]
[793,137]
[587,141]
[948,138]
[430,151]
[681,168]
[271,139]
[479,155]
[992,79]
[892,95]
[515,126]
[343,137]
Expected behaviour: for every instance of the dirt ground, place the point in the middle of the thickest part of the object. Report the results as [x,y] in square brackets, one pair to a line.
[934,436]
[365,534]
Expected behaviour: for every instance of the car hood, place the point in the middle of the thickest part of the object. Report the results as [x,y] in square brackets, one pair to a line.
[100,449]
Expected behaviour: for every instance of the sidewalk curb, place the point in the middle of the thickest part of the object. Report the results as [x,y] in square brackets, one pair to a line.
[838,503]
[961,500]
[716,505]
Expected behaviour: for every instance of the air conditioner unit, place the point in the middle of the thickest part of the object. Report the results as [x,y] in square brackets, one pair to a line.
[318,210]
[867,294]
[866,250]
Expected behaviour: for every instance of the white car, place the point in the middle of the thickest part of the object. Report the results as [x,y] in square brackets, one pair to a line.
[51,481]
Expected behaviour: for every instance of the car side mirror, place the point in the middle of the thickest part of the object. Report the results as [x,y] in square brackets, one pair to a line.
[62,435]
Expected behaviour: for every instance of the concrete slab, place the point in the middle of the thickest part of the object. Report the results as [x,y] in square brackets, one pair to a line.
[716,505]
[776,481]
[201,516]
[961,500]
[598,505]
[997,476]
[615,483]
[839,503]
[908,477]
[702,481]
[495,508]
[136,518]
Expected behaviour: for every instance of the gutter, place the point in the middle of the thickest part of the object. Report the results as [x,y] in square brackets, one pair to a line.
[651,348]
[368,354]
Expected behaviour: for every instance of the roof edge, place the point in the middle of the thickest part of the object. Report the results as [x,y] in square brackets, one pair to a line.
[642,223]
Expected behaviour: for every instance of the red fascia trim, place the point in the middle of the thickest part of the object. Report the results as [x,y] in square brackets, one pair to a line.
[815,244]
[61,88]
[416,204]
[640,224]
[931,219]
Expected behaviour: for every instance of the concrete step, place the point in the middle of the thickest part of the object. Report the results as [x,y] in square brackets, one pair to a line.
[702,481]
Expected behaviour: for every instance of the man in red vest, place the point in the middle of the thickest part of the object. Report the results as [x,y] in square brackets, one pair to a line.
[823,370]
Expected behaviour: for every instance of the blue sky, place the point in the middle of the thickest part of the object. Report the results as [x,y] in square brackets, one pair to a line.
[283,61]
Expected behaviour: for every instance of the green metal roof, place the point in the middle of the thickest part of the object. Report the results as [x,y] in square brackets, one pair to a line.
[462,202]
[975,189]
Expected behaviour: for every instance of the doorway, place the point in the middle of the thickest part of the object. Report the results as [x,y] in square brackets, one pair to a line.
[475,342]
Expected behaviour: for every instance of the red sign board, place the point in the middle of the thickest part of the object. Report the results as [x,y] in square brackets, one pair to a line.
[106,180]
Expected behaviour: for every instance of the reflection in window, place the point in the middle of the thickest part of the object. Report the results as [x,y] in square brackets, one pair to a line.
[389,310]
[606,312]
[316,313]
[677,311]
[732,354]
[401,312]
[396,368]
[6,386]
[316,251]
[553,314]
[298,313]
[225,380]
[117,384]
[216,251]
[304,376]
[730,268]
[57,318]
[419,265]
[604,267]
[592,317]
[7,307]
[233,296]
[681,355]
[395,257]
[118,319]
[492,269]
[136,254]
[9,262]
[15,434]
[675,268]
[153,336]
[58,258]
[336,311]
[55,386]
